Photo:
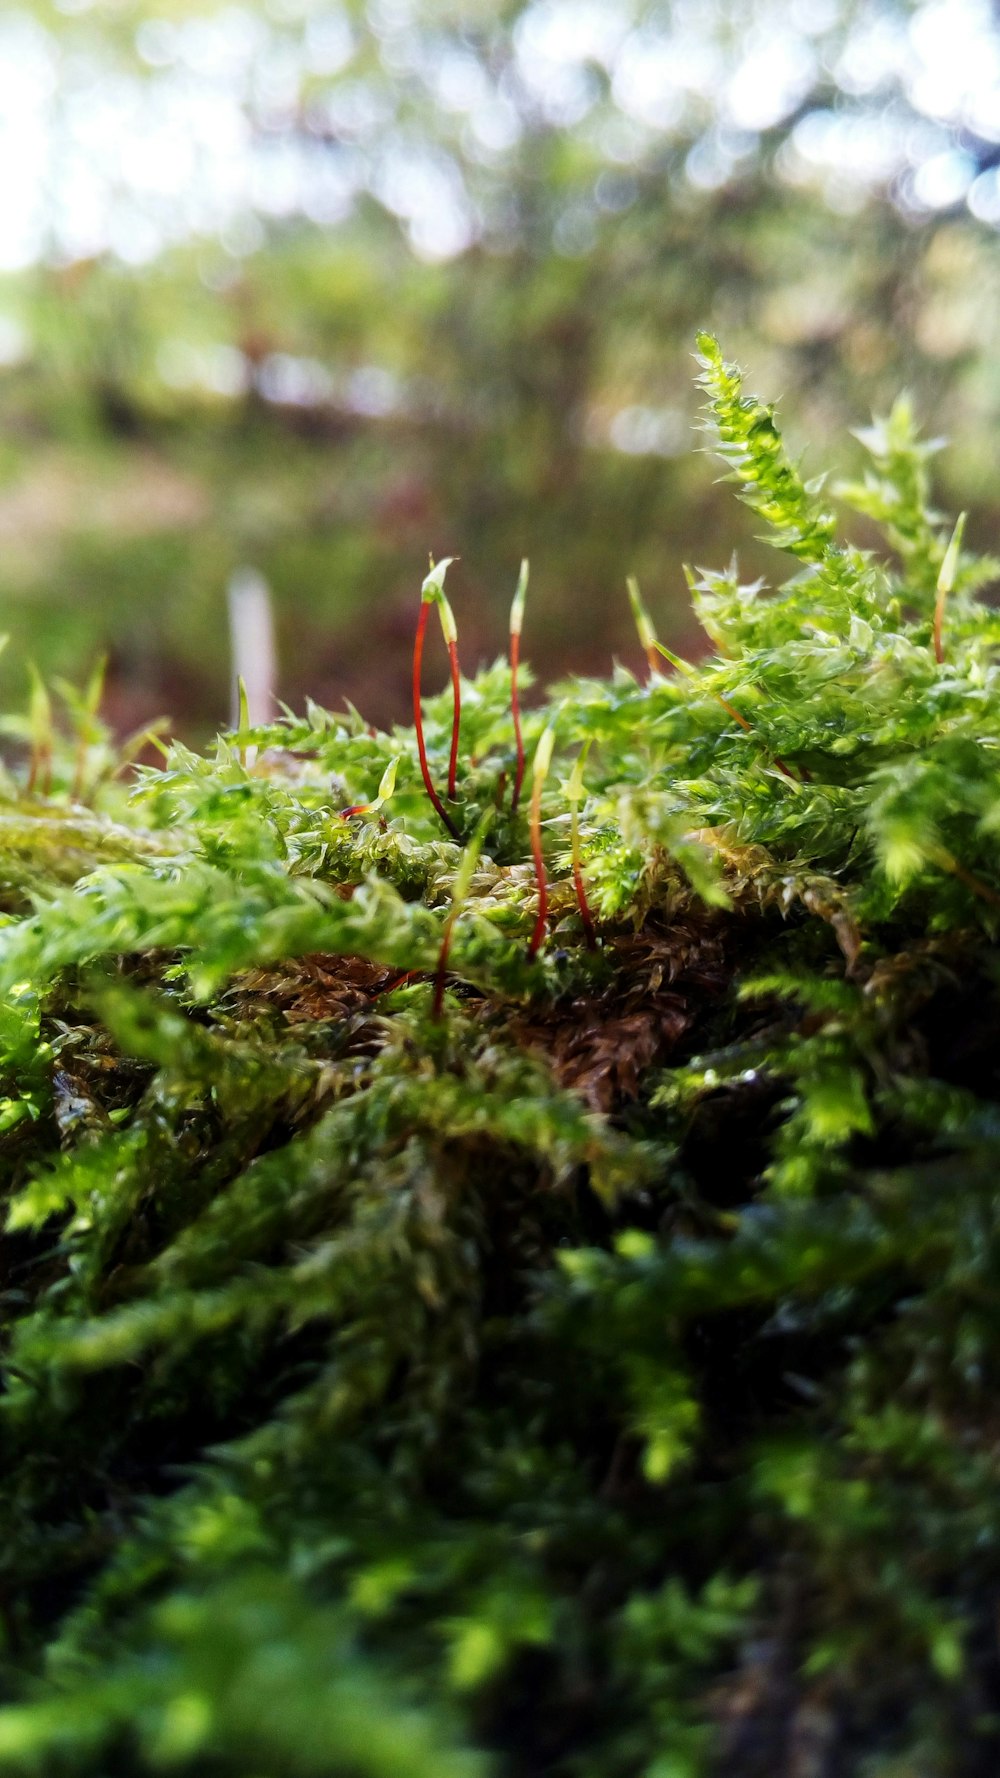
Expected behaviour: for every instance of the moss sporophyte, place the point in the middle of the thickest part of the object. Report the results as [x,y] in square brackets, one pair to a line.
[433,593]
[503,1284]
[516,626]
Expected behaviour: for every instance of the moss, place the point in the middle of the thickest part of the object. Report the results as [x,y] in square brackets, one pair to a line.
[597,1376]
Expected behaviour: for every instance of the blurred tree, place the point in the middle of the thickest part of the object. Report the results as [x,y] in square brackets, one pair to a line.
[316,288]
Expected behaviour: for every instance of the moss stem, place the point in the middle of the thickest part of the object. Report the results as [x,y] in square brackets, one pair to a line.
[418,719]
[516,622]
[456,717]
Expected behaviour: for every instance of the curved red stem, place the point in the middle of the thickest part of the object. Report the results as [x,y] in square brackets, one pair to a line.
[418,721]
[515,710]
[456,716]
[584,907]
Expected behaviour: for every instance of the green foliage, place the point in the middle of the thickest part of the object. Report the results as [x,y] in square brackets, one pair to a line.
[590,1371]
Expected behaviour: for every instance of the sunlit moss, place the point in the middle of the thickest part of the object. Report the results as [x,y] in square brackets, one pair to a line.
[589,1371]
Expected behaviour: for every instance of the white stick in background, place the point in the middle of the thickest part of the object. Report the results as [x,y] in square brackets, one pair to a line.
[252,646]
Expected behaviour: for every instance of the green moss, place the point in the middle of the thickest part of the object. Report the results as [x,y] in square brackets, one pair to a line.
[599,1379]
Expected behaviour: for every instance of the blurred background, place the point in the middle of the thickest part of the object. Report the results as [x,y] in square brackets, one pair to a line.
[310,288]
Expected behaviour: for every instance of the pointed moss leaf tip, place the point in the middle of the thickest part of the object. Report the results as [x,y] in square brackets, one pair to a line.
[573,789]
[40,704]
[94,689]
[543,754]
[945,584]
[517,604]
[387,782]
[643,621]
[675,660]
[470,858]
[949,566]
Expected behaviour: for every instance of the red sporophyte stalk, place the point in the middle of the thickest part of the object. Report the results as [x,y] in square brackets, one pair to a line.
[644,625]
[431,594]
[456,702]
[574,796]
[449,630]
[516,622]
[539,773]
[582,902]
[945,582]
